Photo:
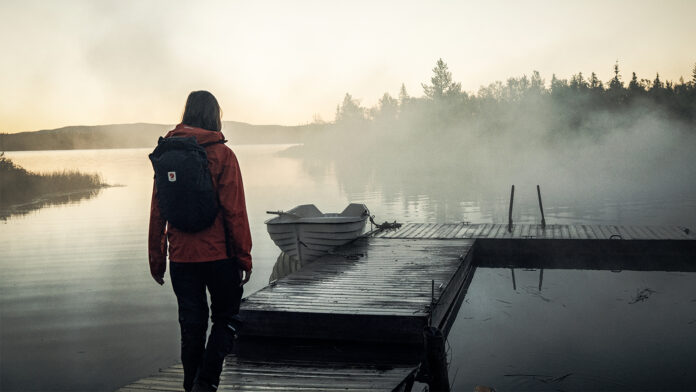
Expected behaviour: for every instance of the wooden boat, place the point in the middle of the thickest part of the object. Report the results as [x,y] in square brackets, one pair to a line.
[306,233]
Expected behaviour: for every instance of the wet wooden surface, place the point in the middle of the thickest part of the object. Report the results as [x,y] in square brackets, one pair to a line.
[532,231]
[256,375]
[373,290]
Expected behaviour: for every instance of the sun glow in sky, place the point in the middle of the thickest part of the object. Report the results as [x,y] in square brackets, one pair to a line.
[283,62]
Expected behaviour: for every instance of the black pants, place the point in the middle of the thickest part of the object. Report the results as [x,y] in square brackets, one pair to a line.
[203,364]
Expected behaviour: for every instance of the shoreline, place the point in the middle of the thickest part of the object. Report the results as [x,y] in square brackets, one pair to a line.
[23,190]
[53,198]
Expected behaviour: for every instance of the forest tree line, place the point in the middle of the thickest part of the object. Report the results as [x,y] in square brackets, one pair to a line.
[565,104]
[575,134]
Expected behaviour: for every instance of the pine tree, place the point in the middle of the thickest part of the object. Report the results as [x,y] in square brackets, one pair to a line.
[657,83]
[595,83]
[634,85]
[442,84]
[682,87]
[693,76]
[669,86]
[388,107]
[616,82]
[350,110]
[578,82]
[558,85]
[404,98]
[554,83]
[536,83]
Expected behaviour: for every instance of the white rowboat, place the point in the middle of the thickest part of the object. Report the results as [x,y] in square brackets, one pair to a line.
[306,233]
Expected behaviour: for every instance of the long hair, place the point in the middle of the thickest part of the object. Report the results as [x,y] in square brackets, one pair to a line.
[202,111]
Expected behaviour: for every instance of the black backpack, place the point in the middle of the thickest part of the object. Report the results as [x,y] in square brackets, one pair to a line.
[185,192]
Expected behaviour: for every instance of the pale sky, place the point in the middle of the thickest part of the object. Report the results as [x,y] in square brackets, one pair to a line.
[282,62]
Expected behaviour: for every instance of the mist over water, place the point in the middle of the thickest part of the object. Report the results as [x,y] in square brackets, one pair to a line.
[78,302]
[632,170]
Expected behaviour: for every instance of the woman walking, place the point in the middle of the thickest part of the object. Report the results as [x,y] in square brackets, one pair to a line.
[216,257]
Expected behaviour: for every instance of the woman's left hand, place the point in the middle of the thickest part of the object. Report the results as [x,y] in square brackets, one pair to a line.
[244,277]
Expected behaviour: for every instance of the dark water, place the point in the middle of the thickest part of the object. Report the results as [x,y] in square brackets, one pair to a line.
[584,330]
[79,311]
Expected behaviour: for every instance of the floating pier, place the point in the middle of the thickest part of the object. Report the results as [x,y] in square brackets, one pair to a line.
[598,247]
[537,231]
[376,290]
[355,319]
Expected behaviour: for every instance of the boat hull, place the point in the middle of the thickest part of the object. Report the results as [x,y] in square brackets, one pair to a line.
[306,233]
[308,241]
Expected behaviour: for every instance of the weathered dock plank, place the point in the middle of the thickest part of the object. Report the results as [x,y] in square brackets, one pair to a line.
[454,228]
[241,374]
[407,228]
[419,230]
[535,231]
[498,231]
[465,231]
[406,231]
[291,376]
[444,232]
[374,290]
[430,228]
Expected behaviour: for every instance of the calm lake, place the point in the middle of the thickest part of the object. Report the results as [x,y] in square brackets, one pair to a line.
[79,310]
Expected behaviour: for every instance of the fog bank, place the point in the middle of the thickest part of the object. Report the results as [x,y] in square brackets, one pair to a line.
[584,144]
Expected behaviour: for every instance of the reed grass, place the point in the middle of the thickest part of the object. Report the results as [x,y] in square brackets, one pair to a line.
[20,186]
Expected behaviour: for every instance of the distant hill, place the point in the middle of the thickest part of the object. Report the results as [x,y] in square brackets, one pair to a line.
[145,135]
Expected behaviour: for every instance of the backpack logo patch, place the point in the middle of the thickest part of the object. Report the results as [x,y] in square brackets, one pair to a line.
[171,176]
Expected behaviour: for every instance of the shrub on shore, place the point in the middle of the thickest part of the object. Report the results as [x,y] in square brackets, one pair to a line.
[19,186]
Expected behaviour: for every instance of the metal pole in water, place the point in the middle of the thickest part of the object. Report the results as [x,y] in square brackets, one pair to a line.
[541,208]
[512,198]
[514,284]
[541,277]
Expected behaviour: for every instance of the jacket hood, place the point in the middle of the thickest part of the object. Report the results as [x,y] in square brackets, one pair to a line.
[202,135]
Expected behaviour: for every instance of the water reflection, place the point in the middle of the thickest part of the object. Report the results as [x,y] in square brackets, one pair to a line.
[444,187]
[514,282]
[47,201]
[284,266]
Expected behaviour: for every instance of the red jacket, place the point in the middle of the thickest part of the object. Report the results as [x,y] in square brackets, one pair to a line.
[228,237]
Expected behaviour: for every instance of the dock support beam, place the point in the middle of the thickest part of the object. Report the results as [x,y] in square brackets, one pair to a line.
[436,360]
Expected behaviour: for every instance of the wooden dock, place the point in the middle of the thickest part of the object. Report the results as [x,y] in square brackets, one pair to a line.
[354,319]
[597,247]
[536,231]
[376,290]
[256,375]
